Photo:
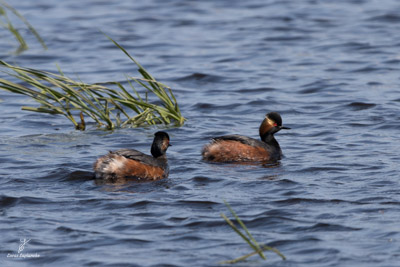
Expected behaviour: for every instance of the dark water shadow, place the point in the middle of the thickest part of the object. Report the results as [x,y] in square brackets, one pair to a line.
[132,185]
[80,176]
[250,167]
[263,164]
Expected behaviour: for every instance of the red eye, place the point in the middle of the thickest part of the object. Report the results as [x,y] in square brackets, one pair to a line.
[275,124]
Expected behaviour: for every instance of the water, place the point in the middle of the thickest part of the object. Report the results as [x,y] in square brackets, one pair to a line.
[330,68]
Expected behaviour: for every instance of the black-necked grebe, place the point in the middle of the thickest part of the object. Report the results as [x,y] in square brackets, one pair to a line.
[238,148]
[126,163]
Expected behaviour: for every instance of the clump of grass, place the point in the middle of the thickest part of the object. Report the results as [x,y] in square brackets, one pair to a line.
[258,249]
[6,23]
[109,104]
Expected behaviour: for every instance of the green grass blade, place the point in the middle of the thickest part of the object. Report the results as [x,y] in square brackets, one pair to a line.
[244,257]
[22,18]
[43,110]
[249,239]
[59,94]
[126,53]
[18,37]
[264,247]
[258,248]
[233,226]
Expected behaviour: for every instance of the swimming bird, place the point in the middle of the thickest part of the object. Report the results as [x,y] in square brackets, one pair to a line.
[238,148]
[130,163]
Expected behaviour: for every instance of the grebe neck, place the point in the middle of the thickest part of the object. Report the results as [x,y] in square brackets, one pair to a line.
[270,140]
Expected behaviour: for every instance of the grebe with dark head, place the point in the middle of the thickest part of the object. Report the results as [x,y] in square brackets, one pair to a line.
[238,148]
[130,163]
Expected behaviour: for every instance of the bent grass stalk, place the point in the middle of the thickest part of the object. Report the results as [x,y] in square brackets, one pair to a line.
[249,240]
[7,24]
[108,107]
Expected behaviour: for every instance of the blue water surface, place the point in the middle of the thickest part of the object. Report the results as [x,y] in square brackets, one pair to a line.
[331,68]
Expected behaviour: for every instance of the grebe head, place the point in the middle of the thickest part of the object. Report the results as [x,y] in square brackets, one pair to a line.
[160,144]
[271,124]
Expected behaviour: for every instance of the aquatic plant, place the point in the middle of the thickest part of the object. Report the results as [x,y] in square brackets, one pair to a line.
[6,23]
[108,107]
[258,249]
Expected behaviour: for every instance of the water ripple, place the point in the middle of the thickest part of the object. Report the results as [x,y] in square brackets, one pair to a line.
[330,69]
